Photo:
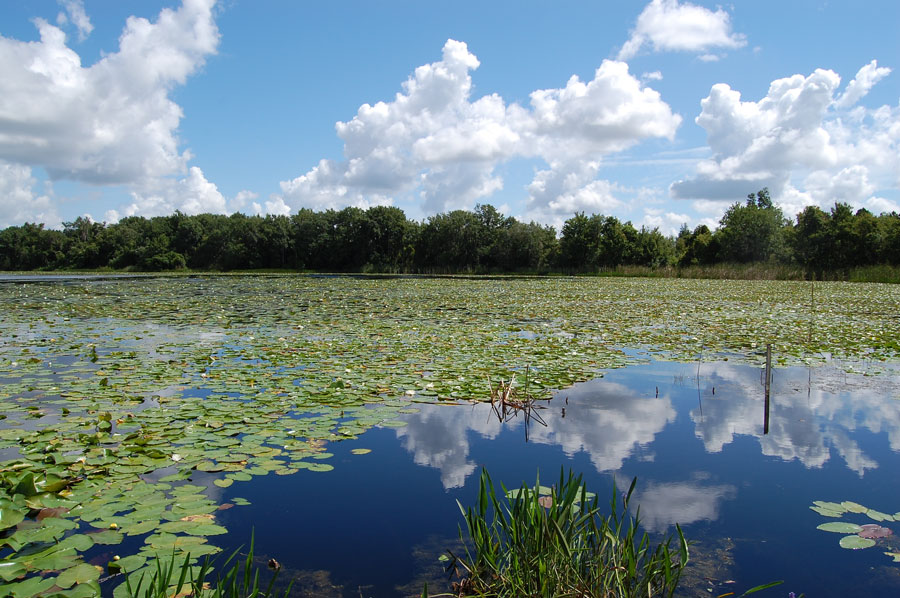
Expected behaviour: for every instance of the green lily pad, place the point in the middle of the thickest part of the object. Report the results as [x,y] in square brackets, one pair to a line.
[894,555]
[141,527]
[856,543]
[361,451]
[854,507]
[827,512]
[10,517]
[878,515]
[10,570]
[109,537]
[30,587]
[829,506]
[132,562]
[223,483]
[207,529]
[321,467]
[840,527]
[79,574]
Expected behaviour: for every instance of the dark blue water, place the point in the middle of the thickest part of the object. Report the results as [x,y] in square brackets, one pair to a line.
[695,443]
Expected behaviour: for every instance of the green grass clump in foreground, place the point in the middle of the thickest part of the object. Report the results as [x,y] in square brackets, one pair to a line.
[555,542]
[240,579]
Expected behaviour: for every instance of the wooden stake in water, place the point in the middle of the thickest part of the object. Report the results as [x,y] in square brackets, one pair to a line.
[768,386]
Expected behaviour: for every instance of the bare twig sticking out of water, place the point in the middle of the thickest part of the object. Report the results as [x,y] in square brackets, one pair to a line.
[507,404]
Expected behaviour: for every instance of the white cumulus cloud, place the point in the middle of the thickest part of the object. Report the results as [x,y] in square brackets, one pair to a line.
[190,195]
[804,140]
[434,143]
[19,202]
[112,122]
[668,25]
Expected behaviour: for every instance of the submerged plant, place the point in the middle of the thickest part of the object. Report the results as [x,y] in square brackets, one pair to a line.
[517,546]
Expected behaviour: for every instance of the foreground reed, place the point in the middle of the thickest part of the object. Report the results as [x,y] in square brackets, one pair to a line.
[554,542]
[240,579]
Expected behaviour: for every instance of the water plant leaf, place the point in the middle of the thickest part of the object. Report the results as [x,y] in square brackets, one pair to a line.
[361,451]
[854,507]
[10,570]
[108,537]
[856,543]
[827,512]
[894,555]
[878,515]
[79,574]
[830,506]
[10,517]
[840,527]
[321,467]
[872,530]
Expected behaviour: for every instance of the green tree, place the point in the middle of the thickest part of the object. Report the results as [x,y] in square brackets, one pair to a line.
[752,232]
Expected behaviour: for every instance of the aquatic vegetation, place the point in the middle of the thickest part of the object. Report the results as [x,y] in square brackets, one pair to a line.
[240,578]
[131,408]
[863,536]
[525,546]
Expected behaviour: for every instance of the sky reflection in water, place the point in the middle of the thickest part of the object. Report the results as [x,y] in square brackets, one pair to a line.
[696,446]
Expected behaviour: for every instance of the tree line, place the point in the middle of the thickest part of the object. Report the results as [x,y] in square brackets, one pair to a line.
[383,239]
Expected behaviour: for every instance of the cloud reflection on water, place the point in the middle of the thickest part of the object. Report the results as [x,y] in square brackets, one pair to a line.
[812,412]
[602,419]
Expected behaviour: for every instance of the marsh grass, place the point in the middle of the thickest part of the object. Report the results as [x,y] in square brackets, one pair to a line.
[167,578]
[555,542]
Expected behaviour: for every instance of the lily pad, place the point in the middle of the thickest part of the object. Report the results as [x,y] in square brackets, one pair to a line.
[361,451]
[871,530]
[78,574]
[878,515]
[854,507]
[829,506]
[10,517]
[827,512]
[856,543]
[840,527]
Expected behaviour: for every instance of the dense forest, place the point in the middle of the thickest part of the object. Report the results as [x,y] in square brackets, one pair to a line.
[382,239]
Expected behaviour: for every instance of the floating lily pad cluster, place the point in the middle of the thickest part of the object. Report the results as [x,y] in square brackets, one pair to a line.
[856,536]
[126,406]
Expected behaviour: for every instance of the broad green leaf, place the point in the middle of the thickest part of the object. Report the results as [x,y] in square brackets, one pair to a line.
[827,512]
[10,516]
[78,574]
[840,527]
[856,543]
[854,507]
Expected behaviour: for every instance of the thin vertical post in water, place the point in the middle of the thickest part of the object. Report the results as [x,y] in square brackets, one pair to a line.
[768,386]
[812,306]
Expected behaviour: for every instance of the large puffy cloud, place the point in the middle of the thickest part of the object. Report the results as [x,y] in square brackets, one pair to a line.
[668,25]
[190,195]
[805,142]
[433,143]
[19,202]
[112,122]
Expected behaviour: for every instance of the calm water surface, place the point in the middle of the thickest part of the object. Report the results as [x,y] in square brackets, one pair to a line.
[696,444]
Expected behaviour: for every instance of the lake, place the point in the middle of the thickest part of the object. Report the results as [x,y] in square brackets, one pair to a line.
[331,418]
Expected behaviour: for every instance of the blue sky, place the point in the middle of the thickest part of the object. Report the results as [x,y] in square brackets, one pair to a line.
[661,112]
